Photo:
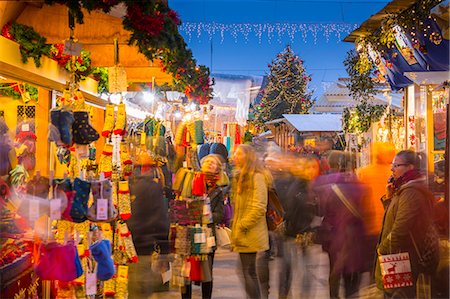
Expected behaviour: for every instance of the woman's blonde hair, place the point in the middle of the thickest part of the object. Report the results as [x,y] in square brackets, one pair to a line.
[243,177]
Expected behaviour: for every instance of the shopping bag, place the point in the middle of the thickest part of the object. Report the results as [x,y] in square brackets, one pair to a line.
[222,236]
[396,270]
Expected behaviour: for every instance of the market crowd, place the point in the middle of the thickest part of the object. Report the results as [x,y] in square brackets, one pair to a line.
[365,219]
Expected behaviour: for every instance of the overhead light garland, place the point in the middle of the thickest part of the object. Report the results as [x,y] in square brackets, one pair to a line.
[269,30]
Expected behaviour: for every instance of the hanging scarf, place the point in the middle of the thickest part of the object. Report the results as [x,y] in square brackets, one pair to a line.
[410,175]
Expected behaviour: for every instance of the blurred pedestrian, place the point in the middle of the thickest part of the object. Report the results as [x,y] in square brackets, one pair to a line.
[407,221]
[249,233]
[374,176]
[212,168]
[339,196]
[299,214]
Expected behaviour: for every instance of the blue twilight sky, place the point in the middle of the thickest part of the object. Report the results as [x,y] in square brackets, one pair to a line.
[233,54]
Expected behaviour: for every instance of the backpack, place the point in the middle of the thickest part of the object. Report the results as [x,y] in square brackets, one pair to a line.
[275,211]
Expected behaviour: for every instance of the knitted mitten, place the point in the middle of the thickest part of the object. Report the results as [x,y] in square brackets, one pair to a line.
[121,121]
[109,120]
[102,190]
[105,164]
[80,202]
[124,200]
[101,251]
[83,132]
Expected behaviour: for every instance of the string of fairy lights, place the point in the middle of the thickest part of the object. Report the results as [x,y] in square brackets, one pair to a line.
[271,31]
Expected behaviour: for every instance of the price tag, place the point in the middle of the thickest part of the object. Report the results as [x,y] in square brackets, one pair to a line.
[199,238]
[25,127]
[124,229]
[184,164]
[206,209]
[211,242]
[91,283]
[34,210]
[122,273]
[55,209]
[72,48]
[102,209]
[166,276]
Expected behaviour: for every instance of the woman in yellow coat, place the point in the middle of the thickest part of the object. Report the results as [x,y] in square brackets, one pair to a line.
[249,233]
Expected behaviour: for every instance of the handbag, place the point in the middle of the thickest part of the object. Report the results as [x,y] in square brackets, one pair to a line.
[275,211]
[396,270]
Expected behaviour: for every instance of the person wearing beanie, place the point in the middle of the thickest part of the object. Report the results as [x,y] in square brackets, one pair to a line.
[220,149]
[203,150]
[212,169]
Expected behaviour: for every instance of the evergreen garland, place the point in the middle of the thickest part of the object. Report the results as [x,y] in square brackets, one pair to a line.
[14,91]
[32,45]
[360,70]
[287,91]
[154,30]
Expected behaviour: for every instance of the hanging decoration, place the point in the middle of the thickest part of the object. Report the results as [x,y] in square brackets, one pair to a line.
[19,91]
[358,119]
[269,30]
[154,30]
[360,69]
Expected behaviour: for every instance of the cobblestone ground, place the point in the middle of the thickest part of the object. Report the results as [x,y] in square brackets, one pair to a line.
[310,279]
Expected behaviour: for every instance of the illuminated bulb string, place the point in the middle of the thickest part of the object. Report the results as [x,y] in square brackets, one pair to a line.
[268,30]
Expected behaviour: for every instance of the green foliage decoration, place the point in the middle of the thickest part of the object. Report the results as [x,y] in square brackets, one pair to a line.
[360,85]
[358,119]
[15,91]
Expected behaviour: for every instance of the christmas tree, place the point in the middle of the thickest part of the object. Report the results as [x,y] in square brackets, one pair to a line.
[287,90]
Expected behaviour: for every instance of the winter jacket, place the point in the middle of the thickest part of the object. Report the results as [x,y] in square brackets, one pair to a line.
[407,216]
[149,222]
[249,231]
[345,244]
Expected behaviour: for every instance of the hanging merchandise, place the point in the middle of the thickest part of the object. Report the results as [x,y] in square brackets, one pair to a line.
[124,200]
[6,145]
[83,132]
[79,208]
[105,165]
[54,261]
[102,208]
[121,120]
[25,144]
[109,120]
[125,159]
[101,251]
[61,121]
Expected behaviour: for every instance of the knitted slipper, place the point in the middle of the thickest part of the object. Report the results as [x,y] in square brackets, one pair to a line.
[101,251]
[66,121]
[80,202]
[83,132]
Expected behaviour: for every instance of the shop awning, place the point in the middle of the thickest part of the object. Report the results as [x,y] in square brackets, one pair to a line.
[325,122]
[97,35]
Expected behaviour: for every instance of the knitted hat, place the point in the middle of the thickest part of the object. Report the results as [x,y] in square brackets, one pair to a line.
[203,150]
[220,149]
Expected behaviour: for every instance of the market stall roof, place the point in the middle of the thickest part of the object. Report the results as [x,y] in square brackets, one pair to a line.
[325,122]
[374,22]
[97,35]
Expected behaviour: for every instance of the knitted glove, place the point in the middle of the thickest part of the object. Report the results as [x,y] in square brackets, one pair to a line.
[121,120]
[105,164]
[109,120]
[124,200]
